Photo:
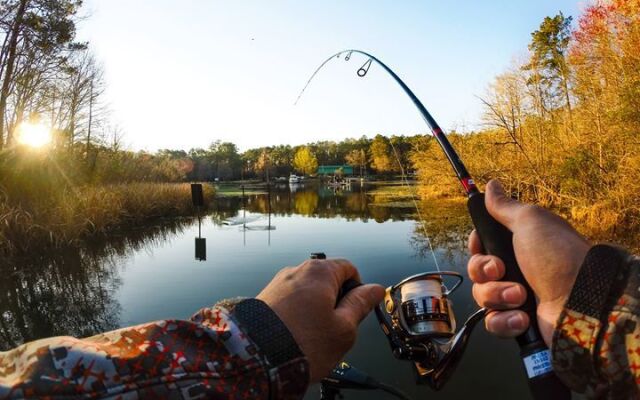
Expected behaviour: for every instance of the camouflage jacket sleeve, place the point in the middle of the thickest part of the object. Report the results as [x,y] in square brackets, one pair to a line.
[596,344]
[234,350]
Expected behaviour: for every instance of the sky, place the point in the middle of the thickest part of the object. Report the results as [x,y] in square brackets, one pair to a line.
[181,74]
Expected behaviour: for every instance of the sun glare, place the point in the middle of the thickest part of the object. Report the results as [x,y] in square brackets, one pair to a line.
[34,134]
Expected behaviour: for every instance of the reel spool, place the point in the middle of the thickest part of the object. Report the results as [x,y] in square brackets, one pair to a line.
[424,308]
[418,320]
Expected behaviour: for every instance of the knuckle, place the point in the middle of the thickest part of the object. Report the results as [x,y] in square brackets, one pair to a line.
[284,272]
[492,323]
[475,265]
[531,211]
[473,268]
[476,292]
[488,295]
[315,264]
[315,267]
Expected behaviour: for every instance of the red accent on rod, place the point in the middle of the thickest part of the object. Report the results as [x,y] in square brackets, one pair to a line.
[468,184]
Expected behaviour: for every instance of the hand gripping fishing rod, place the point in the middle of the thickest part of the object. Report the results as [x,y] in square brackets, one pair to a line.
[496,240]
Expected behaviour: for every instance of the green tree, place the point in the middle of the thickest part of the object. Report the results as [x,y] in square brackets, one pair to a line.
[305,161]
[225,160]
[549,45]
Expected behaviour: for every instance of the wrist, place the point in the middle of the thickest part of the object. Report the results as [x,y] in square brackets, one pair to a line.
[287,366]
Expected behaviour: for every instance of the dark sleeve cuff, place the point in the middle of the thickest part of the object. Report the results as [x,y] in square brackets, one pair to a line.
[579,332]
[288,367]
[267,331]
[600,282]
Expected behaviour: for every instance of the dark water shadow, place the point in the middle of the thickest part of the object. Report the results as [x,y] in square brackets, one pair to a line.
[72,291]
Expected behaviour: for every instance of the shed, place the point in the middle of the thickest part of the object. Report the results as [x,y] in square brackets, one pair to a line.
[331,169]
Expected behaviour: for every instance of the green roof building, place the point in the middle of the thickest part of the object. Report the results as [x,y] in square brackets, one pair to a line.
[331,169]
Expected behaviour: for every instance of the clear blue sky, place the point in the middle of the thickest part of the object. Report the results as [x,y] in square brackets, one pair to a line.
[182,73]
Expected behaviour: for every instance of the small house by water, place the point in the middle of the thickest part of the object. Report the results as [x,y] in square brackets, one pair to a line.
[331,170]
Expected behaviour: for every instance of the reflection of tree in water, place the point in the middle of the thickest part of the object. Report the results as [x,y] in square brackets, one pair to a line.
[313,201]
[306,203]
[447,223]
[71,292]
[224,208]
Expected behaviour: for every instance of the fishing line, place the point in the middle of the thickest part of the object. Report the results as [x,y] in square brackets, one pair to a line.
[422,221]
[362,72]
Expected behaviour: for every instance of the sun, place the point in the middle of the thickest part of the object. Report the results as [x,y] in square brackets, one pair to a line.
[34,134]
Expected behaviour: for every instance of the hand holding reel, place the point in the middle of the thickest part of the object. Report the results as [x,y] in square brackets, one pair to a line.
[418,320]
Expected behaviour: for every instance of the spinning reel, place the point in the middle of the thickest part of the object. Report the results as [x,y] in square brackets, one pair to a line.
[418,320]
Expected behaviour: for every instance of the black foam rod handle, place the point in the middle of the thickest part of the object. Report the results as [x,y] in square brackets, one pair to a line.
[347,286]
[497,240]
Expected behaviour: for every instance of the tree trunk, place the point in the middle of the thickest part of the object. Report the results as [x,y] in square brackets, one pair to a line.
[90,120]
[11,61]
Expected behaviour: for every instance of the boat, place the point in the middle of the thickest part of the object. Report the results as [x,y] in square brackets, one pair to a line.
[295,178]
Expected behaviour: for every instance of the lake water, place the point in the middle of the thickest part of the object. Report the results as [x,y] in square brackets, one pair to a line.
[152,273]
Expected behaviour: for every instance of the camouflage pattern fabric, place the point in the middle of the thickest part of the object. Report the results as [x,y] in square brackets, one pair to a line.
[211,356]
[596,345]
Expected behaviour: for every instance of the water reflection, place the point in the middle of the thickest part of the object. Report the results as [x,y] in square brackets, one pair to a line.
[200,243]
[357,203]
[71,292]
[74,292]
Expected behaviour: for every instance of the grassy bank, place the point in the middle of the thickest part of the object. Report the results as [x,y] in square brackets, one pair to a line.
[44,217]
[603,221]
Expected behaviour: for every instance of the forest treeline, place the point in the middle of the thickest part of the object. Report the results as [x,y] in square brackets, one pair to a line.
[380,155]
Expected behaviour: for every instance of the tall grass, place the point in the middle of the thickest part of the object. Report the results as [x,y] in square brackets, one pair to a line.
[43,205]
[79,213]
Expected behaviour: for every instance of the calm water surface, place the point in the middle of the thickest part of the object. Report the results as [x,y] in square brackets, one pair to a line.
[152,273]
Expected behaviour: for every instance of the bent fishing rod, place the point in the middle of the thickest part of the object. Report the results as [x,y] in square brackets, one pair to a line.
[415,315]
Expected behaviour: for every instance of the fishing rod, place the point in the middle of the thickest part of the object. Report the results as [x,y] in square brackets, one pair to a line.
[415,315]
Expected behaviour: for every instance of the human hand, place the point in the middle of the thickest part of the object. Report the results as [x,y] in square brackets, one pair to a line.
[549,252]
[304,297]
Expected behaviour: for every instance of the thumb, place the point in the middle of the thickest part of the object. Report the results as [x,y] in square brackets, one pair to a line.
[502,207]
[359,302]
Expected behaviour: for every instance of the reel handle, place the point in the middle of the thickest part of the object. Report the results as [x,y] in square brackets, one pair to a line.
[497,240]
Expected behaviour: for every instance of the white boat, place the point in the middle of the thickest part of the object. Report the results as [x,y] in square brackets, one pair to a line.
[295,178]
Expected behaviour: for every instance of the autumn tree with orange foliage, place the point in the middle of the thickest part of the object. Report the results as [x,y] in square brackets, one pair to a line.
[562,128]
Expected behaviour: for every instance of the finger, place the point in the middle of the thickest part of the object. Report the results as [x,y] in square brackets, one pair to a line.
[475,246]
[483,268]
[499,295]
[506,323]
[343,270]
[502,207]
[359,302]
